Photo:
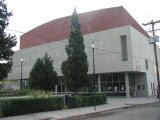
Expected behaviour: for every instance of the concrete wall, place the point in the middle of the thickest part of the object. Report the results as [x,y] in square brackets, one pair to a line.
[141,85]
[108,56]
[107,53]
[142,50]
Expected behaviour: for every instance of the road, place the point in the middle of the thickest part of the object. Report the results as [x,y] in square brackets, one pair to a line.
[143,112]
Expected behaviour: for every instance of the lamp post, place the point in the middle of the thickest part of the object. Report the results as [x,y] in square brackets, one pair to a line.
[21,73]
[94,78]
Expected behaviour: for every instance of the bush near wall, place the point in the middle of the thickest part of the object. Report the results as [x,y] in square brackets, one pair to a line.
[19,106]
[84,101]
[24,92]
[10,93]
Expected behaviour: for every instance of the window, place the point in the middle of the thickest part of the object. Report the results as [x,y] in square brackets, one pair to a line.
[151,88]
[113,84]
[115,77]
[143,87]
[124,48]
[109,78]
[103,87]
[103,78]
[121,77]
[146,63]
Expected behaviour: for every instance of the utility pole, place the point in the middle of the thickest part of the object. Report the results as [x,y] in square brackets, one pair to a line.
[152,23]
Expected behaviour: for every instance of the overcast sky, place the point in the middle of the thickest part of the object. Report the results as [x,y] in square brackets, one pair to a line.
[28,14]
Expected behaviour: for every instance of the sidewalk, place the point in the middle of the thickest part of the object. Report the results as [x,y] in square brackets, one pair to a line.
[113,103]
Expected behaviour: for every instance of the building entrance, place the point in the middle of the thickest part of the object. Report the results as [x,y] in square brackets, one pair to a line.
[132,87]
[113,84]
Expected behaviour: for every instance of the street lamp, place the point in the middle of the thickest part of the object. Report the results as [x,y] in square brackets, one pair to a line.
[21,73]
[94,78]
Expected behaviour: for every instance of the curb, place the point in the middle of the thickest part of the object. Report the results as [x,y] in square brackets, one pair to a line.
[97,112]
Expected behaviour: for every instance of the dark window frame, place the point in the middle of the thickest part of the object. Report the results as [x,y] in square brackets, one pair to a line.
[146,64]
[124,50]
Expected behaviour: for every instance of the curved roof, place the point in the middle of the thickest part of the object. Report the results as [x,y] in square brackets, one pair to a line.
[91,22]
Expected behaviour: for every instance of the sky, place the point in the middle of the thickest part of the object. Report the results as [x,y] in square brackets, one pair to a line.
[28,14]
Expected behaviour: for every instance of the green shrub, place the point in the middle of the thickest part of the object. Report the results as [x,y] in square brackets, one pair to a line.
[19,106]
[39,93]
[84,101]
[25,92]
[21,92]
[10,93]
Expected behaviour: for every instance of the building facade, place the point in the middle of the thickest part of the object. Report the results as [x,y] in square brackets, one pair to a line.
[124,57]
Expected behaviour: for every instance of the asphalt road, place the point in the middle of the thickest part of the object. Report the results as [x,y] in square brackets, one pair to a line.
[143,112]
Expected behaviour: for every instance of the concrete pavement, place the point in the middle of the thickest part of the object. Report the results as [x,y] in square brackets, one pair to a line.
[113,103]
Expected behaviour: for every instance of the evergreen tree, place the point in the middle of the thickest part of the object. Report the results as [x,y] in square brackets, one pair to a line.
[75,68]
[42,75]
[7,41]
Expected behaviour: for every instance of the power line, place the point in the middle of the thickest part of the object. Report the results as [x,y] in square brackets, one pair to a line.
[15,31]
[115,52]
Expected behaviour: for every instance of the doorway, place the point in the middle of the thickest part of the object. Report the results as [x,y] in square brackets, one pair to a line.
[132,86]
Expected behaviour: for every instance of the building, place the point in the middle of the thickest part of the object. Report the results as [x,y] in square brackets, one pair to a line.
[124,57]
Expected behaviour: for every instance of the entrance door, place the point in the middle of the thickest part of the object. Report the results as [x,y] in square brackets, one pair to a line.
[113,84]
[132,90]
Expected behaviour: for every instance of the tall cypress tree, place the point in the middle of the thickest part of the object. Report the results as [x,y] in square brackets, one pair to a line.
[75,68]
[7,41]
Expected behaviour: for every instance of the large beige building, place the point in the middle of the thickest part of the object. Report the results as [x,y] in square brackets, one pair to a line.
[124,57]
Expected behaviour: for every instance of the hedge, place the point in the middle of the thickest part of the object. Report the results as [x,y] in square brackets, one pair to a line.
[20,106]
[84,101]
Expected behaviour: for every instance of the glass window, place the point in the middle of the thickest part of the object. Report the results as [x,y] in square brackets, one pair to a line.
[115,87]
[122,86]
[121,77]
[103,78]
[103,87]
[113,84]
[109,78]
[146,63]
[96,78]
[109,87]
[143,87]
[153,88]
[95,87]
[115,77]
[124,48]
